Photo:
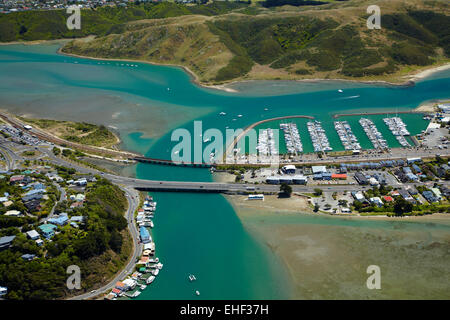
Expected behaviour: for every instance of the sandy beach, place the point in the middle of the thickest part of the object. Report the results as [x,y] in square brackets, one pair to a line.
[327,256]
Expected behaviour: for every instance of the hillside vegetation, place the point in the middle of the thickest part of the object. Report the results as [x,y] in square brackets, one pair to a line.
[225,41]
[83,133]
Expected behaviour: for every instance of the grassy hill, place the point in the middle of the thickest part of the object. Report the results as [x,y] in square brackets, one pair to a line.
[227,41]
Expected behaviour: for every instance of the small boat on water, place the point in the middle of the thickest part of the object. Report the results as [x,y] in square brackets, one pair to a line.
[150,279]
[155,272]
[222,113]
[239,115]
[340,90]
[159,265]
[197,292]
[143,286]
[192,277]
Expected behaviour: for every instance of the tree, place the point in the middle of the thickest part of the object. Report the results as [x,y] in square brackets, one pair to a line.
[402,206]
[56,151]
[318,192]
[316,207]
[286,189]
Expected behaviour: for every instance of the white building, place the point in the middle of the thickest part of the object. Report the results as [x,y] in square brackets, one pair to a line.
[256,197]
[3,291]
[33,235]
[13,213]
[319,169]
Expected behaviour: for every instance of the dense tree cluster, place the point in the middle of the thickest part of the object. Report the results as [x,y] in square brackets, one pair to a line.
[45,277]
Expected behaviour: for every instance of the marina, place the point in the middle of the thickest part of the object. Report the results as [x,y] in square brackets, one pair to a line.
[267,144]
[318,137]
[373,134]
[148,267]
[292,138]
[348,139]
[398,129]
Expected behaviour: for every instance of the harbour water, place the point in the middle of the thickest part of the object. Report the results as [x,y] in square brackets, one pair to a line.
[199,234]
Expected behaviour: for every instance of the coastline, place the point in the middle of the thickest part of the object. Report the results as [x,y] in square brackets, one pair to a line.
[409,80]
[225,86]
[313,247]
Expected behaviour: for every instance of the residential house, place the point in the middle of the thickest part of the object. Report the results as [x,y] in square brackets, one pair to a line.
[33,205]
[33,234]
[429,196]
[35,194]
[59,220]
[47,230]
[437,193]
[28,257]
[5,242]
[376,201]
[13,213]
[16,179]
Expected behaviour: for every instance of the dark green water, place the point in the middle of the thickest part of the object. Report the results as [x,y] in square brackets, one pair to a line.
[194,233]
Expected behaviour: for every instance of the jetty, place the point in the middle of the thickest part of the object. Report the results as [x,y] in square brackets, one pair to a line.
[232,145]
[338,115]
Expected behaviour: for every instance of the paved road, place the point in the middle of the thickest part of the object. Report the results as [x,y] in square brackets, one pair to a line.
[133,203]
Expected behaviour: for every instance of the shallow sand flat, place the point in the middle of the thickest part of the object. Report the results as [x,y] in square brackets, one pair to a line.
[327,257]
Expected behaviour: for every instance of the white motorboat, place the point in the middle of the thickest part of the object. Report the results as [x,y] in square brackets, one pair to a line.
[192,277]
[150,279]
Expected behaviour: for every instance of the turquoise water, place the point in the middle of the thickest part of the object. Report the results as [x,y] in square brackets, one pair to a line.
[194,233]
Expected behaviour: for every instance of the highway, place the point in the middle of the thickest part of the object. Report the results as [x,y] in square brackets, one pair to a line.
[133,203]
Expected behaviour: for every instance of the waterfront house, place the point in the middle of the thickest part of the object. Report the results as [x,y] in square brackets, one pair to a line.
[388,199]
[39,242]
[47,230]
[130,284]
[376,201]
[145,235]
[120,286]
[358,196]
[3,291]
[5,242]
[445,191]
[405,194]
[437,193]
[429,196]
